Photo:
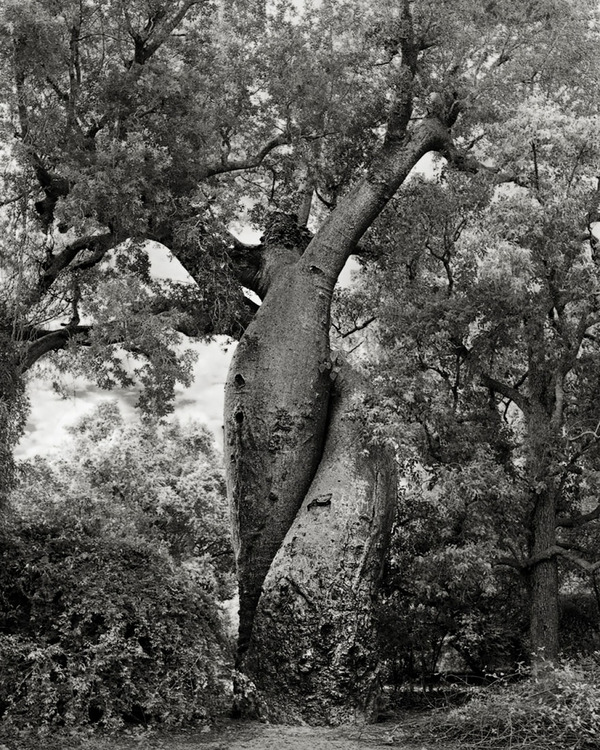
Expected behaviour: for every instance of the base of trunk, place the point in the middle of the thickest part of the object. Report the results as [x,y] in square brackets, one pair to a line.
[322,671]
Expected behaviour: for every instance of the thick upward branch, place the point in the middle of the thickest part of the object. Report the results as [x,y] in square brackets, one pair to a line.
[337,238]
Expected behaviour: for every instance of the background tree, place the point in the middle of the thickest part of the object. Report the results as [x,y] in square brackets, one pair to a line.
[447,609]
[499,341]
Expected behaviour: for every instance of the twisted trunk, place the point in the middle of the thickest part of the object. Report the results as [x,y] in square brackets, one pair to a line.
[313,652]
[311,498]
[276,404]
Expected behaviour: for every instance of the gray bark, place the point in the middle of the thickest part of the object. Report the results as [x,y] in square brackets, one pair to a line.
[276,403]
[308,555]
[313,652]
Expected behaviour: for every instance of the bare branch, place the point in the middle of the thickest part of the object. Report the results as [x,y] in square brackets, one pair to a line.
[559,551]
[15,198]
[358,327]
[576,559]
[251,162]
[580,520]
[74,68]
[535,166]
[587,433]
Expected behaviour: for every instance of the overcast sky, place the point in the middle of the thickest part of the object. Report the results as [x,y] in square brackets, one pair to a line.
[51,412]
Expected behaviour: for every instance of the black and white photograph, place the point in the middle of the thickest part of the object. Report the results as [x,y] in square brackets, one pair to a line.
[299,374]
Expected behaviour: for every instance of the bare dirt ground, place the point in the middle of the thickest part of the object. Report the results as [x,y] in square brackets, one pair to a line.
[257,736]
[240,735]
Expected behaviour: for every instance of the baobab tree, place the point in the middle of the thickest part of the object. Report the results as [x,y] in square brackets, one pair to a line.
[164,121]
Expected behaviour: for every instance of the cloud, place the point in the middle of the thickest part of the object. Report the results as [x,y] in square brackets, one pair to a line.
[52,412]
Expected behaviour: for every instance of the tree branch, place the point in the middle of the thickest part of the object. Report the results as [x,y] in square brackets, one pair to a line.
[251,162]
[576,559]
[402,101]
[51,341]
[558,551]
[572,522]
[510,562]
[507,391]
[357,327]
[99,244]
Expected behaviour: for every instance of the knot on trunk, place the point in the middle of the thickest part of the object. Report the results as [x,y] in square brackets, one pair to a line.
[283,229]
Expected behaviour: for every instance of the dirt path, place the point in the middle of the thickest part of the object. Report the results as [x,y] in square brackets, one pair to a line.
[235,735]
[256,736]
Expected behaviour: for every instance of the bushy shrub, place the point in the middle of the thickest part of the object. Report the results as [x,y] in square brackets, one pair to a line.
[443,600]
[102,631]
[114,563]
[559,709]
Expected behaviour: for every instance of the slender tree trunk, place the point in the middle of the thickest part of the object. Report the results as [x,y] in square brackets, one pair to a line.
[544,613]
[544,583]
[12,411]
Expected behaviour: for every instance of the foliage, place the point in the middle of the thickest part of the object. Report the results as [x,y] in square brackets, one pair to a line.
[111,582]
[560,710]
[446,605]
[158,481]
[486,296]
[151,120]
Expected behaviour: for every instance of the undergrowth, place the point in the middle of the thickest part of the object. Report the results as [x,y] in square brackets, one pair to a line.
[558,710]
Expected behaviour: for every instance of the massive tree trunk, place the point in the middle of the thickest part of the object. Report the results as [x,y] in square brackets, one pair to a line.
[311,498]
[276,406]
[313,651]
[312,505]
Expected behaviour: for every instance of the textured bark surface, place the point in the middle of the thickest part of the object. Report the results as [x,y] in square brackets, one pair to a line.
[276,403]
[544,613]
[313,653]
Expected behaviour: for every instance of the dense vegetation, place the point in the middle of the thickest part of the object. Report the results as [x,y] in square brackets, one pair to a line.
[115,566]
[424,502]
